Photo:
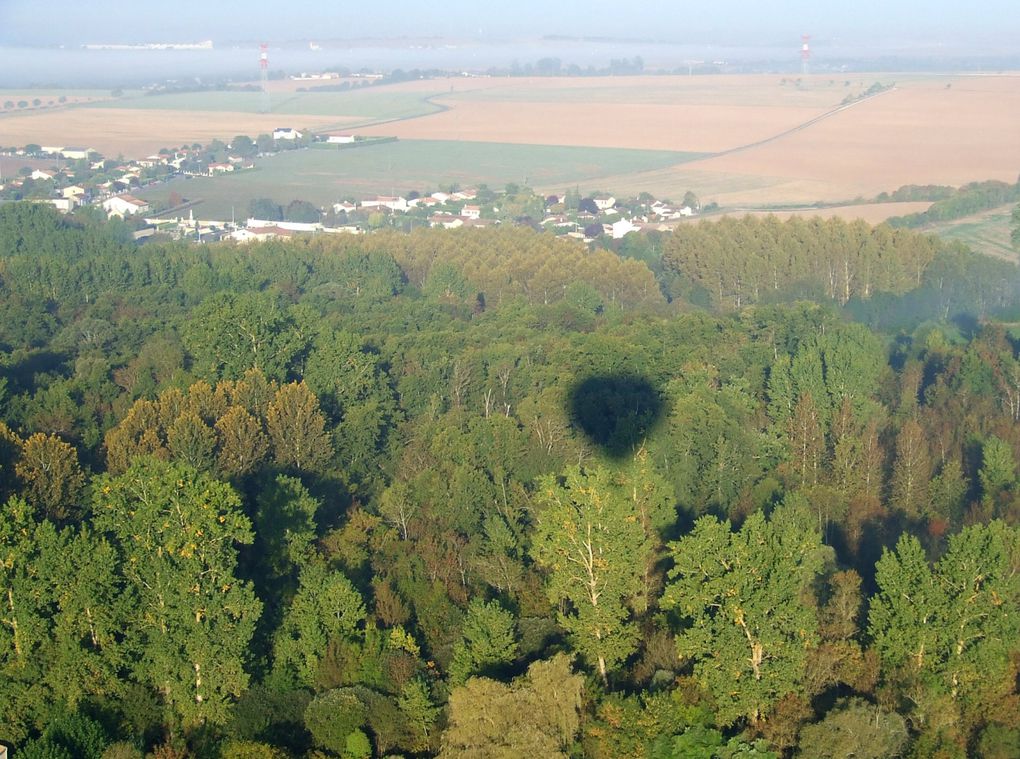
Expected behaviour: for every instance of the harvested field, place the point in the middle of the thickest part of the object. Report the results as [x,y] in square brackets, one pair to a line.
[923,134]
[873,213]
[366,104]
[987,232]
[771,149]
[696,128]
[47,95]
[699,114]
[930,129]
[743,90]
[136,132]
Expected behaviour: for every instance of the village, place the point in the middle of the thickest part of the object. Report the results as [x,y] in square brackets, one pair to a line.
[79,180]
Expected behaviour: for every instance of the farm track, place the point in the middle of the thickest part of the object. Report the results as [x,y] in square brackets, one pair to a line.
[792,130]
[430,100]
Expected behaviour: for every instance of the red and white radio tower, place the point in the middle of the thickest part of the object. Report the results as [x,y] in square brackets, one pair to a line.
[805,53]
[264,74]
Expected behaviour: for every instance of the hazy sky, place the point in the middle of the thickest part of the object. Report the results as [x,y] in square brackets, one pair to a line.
[950,22]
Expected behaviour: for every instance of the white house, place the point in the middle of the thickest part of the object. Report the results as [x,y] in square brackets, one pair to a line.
[289,226]
[446,220]
[124,205]
[64,205]
[345,206]
[346,229]
[259,234]
[386,201]
[604,202]
[74,191]
[471,212]
[220,168]
[560,221]
[621,228]
[286,133]
[76,154]
[340,139]
[44,176]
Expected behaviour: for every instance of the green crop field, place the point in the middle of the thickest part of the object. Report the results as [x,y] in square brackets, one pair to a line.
[368,104]
[986,233]
[325,176]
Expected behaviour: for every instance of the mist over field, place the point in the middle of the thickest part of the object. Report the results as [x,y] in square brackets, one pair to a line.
[38,48]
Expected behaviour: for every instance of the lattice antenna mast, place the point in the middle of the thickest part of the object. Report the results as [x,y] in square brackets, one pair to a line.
[264,75]
[805,53]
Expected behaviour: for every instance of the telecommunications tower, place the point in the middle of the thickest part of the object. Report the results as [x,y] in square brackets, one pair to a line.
[805,53]
[264,75]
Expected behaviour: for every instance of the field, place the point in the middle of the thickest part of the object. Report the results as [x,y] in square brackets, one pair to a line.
[656,113]
[47,95]
[136,133]
[326,176]
[937,129]
[764,139]
[139,125]
[986,232]
[873,213]
[949,131]
[369,104]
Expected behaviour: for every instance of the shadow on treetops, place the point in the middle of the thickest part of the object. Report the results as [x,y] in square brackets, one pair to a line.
[616,411]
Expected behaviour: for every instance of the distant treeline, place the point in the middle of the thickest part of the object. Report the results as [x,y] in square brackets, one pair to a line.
[951,203]
[888,278]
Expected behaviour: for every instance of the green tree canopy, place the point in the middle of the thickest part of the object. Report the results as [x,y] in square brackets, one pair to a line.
[590,540]
[951,626]
[177,530]
[745,599]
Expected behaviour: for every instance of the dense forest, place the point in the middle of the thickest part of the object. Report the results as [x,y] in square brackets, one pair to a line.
[747,489]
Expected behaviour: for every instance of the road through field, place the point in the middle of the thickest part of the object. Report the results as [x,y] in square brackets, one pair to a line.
[799,127]
[949,131]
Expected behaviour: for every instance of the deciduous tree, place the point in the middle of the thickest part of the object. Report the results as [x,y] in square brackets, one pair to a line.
[52,477]
[951,627]
[745,599]
[176,530]
[590,540]
[327,608]
[297,429]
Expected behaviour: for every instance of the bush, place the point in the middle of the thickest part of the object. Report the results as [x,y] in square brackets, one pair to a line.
[122,750]
[332,716]
[232,749]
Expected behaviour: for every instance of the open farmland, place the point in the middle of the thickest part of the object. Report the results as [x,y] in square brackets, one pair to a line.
[140,125]
[51,96]
[653,113]
[872,213]
[934,129]
[368,104]
[137,132]
[325,176]
[935,132]
[987,232]
[763,140]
